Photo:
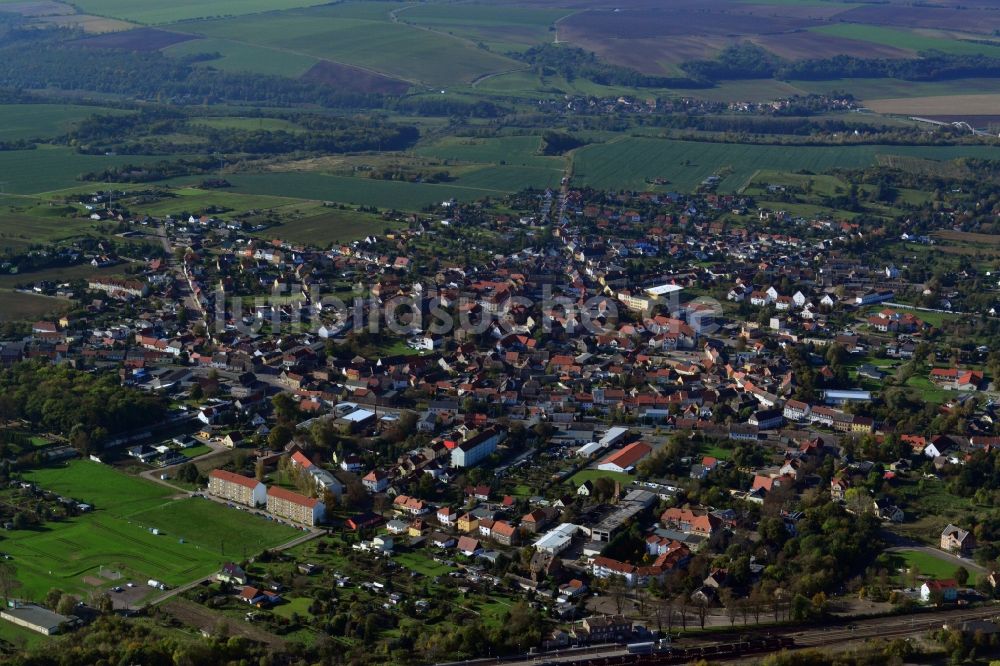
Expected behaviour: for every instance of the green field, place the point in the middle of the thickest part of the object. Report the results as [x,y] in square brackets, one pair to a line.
[627,163]
[54,167]
[239,57]
[500,28]
[154,11]
[508,150]
[904,39]
[395,49]
[592,474]
[929,565]
[43,121]
[197,535]
[363,191]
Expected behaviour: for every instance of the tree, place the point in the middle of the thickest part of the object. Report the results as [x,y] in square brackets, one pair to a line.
[105,604]
[8,580]
[67,603]
[280,436]
[962,575]
[258,470]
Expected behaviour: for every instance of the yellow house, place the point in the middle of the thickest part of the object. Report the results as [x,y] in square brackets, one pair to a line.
[416,528]
[468,523]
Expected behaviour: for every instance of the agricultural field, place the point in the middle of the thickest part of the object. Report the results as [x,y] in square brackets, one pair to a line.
[940,105]
[394,49]
[509,150]
[356,190]
[501,29]
[50,168]
[17,306]
[331,226]
[628,163]
[196,535]
[909,41]
[154,12]
[43,121]
[242,57]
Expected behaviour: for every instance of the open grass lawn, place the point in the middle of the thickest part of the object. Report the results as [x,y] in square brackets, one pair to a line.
[196,451]
[628,163]
[717,452]
[592,474]
[18,306]
[927,391]
[189,200]
[43,121]
[421,563]
[929,565]
[197,535]
[298,605]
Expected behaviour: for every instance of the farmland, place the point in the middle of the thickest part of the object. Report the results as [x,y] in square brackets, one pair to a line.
[153,12]
[498,27]
[331,226]
[394,49]
[903,39]
[627,163]
[238,57]
[196,535]
[15,306]
[42,121]
[940,105]
[53,167]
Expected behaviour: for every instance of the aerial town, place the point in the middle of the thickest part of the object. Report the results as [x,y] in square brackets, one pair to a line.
[573,421]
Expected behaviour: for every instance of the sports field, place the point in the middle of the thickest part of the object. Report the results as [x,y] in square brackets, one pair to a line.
[196,535]
[628,163]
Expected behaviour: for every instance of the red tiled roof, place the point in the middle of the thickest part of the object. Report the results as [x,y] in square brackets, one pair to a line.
[294,498]
[234,478]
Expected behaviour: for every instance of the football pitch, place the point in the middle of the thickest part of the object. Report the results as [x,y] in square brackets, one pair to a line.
[82,555]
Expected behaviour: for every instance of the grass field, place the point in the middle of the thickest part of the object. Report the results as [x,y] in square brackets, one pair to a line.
[592,474]
[929,565]
[330,33]
[197,535]
[246,123]
[627,163]
[43,121]
[507,150]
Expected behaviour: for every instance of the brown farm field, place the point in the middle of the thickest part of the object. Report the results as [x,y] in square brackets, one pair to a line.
[17,306]
[648,37]
[346,77]
[939,105]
